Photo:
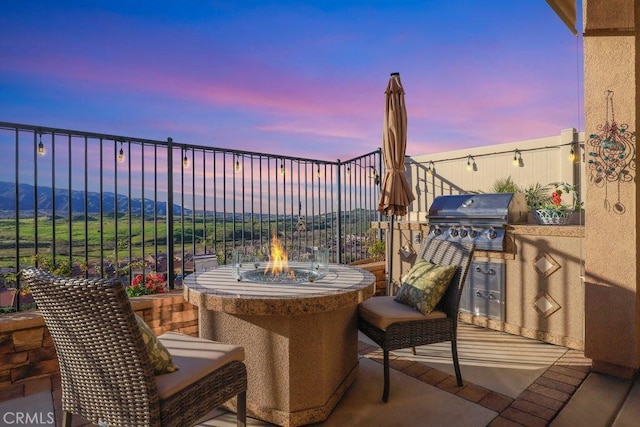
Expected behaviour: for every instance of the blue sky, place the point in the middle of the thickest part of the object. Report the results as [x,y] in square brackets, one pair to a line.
[302,78]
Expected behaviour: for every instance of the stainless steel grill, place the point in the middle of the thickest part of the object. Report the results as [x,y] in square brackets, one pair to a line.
[478,218]
[481,219]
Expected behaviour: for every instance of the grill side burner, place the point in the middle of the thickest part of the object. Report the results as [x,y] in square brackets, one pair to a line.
[477,218]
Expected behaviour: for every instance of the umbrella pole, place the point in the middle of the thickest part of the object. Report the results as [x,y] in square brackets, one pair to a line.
[390,260]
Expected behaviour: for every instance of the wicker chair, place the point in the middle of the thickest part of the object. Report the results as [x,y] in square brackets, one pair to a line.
[107,374]
[394,326]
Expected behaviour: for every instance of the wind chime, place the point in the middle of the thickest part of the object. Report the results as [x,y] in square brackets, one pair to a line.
[612,156]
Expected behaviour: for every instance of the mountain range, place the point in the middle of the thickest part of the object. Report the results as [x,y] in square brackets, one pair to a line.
[27,203]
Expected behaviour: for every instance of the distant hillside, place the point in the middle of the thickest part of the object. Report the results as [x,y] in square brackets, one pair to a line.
[46,200]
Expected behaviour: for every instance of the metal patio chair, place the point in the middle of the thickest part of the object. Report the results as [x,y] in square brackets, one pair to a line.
[107,373]
[393,325]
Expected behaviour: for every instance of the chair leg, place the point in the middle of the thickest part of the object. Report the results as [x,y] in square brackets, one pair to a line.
[414,350]
[385,393]
[456,364]
[66,419]
[241,409]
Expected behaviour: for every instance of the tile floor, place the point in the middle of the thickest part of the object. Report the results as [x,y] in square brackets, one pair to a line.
[509,381]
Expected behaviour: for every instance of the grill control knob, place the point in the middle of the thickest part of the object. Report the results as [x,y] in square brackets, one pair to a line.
[473,233]
[491,233]
[437,231]
[463,232]
[453,232]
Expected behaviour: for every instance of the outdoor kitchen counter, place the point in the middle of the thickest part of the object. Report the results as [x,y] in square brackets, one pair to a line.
[300,340]
[544,293]
[546,230]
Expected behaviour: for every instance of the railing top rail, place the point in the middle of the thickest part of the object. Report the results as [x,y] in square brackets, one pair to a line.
[173,143]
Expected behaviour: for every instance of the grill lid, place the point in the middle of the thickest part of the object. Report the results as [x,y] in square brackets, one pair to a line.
[488,207]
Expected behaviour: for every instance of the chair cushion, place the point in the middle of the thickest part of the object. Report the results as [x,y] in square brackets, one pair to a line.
[383,311]
[425,284]
[196,357]
[160,356]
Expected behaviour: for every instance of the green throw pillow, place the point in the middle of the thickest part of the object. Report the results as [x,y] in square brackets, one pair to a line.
[425,284]
[160,356]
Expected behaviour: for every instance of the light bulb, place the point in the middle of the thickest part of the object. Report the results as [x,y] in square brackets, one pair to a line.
[185,161]
[41,150]
[121,155]
[238,168]
[348,171]
[470,166]
[517,159]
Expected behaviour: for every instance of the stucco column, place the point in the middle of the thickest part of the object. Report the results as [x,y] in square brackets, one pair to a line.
[612,303]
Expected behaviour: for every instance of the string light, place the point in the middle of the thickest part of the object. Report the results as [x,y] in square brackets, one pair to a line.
[319,174]
[572,155]
[374,175]
[471,164]
[282,169]
[121,154]
[41,149]
[238,166]
[348,171]
[185,161]
[517,159]
[517,156]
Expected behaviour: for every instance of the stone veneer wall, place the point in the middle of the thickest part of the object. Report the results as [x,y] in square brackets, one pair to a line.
[28,362]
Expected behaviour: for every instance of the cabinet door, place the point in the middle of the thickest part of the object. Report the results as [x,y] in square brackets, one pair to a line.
[483,293]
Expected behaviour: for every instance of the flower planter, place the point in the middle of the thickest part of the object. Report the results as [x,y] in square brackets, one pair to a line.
[549,216]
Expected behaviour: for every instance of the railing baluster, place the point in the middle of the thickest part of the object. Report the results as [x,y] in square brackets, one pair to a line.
[332,203]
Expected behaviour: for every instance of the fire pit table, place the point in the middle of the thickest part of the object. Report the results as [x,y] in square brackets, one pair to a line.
[300,339]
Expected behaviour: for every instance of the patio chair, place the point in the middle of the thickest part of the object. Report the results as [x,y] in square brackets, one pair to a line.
[106,369]
[393,325]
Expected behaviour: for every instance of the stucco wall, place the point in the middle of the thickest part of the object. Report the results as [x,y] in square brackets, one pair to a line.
[612,335]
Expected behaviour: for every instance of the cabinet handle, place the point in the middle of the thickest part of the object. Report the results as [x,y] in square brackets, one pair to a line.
[489,271]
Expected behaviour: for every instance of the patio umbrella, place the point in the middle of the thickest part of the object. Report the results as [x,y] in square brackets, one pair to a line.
[395,193]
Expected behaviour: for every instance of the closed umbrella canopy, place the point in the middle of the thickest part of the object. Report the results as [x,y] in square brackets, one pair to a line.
[395,194]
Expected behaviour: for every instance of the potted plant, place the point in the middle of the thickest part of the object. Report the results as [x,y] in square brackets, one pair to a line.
[555,211]
[505,185]
[152,283]
[376,263]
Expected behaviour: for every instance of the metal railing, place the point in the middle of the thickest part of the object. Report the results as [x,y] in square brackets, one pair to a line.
[102,205]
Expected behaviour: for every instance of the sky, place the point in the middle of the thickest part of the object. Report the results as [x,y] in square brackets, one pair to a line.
[301,78]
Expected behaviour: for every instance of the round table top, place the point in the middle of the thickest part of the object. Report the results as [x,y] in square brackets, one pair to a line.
[218,290]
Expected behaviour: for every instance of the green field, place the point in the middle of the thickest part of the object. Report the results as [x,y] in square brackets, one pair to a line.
[131,237]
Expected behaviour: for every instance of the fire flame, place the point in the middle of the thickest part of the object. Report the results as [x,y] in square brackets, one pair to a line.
[278,259]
